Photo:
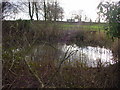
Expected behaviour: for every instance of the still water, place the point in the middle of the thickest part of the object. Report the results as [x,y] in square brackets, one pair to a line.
[90,55]
[72,54]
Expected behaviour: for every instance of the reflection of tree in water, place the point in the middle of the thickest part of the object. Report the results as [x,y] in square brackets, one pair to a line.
[74,58]
[89,56]
[70,55]
[44,52]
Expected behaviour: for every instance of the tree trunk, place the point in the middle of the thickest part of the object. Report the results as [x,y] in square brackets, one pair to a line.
[31,13]
[55,12]
[36,10]
[45,13]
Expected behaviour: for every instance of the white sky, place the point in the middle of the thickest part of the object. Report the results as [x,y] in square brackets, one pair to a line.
[88,6]
[70,7]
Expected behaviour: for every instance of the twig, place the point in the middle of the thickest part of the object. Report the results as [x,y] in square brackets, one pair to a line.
[39,80]
[12,62]
[64,58]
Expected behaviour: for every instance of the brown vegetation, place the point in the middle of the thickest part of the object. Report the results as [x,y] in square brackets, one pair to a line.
[19,72]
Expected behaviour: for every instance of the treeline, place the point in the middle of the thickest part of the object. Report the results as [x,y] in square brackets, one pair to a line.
[45,9]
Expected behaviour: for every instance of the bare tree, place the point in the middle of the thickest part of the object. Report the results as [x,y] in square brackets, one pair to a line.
[45,10]
[31,9]
[49,10]
[54,11]
[77,15]
[80,12]
[36,10]
[61,16]
[9,8]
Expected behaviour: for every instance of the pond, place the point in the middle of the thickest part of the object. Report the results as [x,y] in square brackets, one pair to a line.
[90,55]
[72,54]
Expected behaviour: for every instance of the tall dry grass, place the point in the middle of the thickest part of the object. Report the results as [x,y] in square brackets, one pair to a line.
[19,72]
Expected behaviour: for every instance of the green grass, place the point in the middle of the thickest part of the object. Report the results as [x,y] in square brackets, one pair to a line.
[95,27]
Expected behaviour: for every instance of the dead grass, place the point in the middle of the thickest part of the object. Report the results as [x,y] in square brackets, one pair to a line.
[19,35]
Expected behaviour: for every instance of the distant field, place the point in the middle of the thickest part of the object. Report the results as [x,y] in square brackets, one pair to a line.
[93,27]
[67,25]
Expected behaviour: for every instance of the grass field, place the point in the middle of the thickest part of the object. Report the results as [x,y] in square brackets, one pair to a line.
[94,27]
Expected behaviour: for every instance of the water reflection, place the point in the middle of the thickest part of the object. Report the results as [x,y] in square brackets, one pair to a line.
[89,55]
[43,52]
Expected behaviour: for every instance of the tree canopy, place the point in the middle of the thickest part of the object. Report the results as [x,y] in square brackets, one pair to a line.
[111,12]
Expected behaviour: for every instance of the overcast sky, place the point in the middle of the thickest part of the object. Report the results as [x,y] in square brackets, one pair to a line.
[70,7]
[88,6]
